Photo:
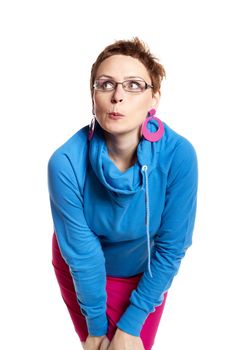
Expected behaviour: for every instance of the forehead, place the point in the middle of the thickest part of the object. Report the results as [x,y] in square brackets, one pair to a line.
[121,66]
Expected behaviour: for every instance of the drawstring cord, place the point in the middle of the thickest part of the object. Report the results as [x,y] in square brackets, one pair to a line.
[144,169]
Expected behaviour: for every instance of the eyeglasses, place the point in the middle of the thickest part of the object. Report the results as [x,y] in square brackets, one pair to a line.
[133,85]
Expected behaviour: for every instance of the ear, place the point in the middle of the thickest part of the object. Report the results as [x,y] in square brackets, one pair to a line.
[155,99]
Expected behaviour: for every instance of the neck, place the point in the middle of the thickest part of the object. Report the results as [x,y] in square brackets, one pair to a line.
[122,148]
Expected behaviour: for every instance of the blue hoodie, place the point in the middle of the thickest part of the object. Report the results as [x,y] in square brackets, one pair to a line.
[109,222]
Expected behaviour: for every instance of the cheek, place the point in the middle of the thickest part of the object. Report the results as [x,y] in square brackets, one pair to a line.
[100,103]
[141,107]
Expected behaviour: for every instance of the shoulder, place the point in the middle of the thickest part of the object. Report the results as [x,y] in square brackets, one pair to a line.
[175,149]
[70,159]
[76,144]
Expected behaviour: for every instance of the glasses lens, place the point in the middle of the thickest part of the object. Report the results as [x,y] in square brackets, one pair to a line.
[134,85]
[104,85]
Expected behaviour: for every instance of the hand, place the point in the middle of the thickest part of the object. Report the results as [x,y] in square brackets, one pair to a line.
[96,343]
[105,344]
[125,341]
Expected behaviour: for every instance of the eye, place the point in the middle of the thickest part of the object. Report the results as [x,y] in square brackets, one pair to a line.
[105,84]
[135,85]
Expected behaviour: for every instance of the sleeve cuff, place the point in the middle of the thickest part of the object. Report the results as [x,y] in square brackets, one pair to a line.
[132,320]
[97,326]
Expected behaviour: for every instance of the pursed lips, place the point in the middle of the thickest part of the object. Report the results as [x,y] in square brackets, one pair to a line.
[116,114]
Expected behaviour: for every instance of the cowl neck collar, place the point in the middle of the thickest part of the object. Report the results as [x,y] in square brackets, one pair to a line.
[127,182]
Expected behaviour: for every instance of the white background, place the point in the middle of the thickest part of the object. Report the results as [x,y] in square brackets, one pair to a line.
[47,48]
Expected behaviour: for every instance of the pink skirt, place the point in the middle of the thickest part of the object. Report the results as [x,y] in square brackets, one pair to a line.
[118,293]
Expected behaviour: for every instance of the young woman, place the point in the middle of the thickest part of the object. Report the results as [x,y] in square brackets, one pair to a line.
[123,200]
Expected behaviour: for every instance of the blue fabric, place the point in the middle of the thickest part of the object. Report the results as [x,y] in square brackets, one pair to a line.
[115,223]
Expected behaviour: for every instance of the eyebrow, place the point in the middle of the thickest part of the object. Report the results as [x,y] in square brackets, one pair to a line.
[129,77]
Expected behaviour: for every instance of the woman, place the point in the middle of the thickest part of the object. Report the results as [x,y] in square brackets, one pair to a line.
[123,200]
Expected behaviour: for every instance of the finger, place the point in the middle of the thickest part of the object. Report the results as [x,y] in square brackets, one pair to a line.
[109,345]
[105,344]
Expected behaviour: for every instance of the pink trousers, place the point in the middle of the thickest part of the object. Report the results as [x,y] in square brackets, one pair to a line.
[118,293]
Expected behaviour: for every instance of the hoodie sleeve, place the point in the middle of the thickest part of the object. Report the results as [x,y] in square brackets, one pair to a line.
[171,241]
[79,246]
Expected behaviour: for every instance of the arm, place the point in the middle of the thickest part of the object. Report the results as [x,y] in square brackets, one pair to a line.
[171,241]
[80,247]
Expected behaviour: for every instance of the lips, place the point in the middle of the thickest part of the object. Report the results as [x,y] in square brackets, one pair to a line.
[116,114]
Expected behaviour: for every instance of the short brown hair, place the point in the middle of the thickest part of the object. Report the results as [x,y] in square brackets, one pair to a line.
[135,48]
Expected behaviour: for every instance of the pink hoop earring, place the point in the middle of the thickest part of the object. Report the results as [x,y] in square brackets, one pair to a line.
[91,128]
[152,136]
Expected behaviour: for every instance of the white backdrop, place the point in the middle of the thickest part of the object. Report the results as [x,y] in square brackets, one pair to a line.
[47,48]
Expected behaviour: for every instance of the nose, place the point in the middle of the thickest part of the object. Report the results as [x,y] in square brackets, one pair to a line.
[117,94]
[114,100]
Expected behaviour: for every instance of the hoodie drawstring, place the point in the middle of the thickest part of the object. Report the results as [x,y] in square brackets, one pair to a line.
[144,169]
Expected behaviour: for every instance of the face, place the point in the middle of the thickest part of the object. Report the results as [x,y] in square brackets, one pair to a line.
[134,106]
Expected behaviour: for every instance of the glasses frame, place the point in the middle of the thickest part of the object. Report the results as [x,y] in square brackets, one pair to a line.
[147,86]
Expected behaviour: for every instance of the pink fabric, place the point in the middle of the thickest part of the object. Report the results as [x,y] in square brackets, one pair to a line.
[118,293]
